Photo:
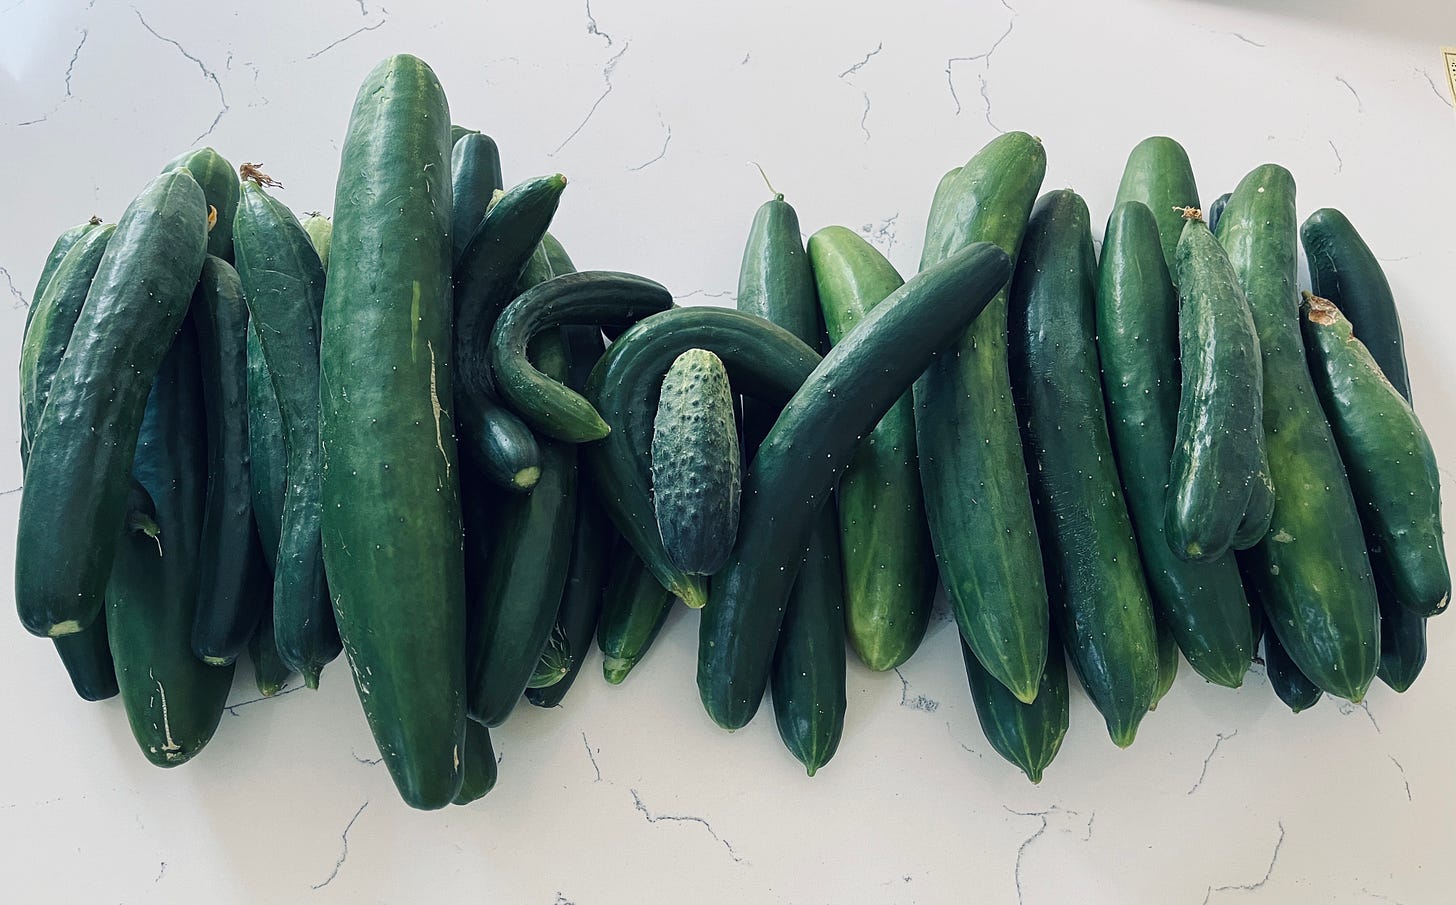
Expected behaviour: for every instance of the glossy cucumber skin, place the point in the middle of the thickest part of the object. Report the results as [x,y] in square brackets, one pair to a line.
[320,231]
[390,497]
[73,506]
[1215,210]
[270,673]
[763,361]
[1095,573]
[889,566]
[1167,660]
[634,608]
[552,663]
[268,460]
[1388,459]
[479,767]
[1402,644]
[1202,604]
[1218,452]
[59,249]
[475,175]
[1027,735]
[285,287]
[1159,175]
[232,584]
[219,182]
[1310,571]
[86,655]
[804,454]
[695,470]
[173,700]
[972,470]
[589,297]
[1290,685]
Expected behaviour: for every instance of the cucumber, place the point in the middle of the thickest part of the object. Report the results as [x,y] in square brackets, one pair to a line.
[173,700]
[1310,571]
[972,471]
[285,287]
[590,297]
[320,231]
[74,504]
[695,476]
[391,509]
[553,663]
[1098,591]
[459,132]
[86,656]
[1388,459]
[1167,661]
[270,673]
[1215,210]
[889,566]
[810,444]
[1027,735]
[1402,644]
[231,586]
[808,667]
[1202,604]
[634,608]
[1218,452]
[1159,175]
[219,182]
[59,249]
[475,175]
[479,767]
[268,461]
[1290,685]
[763,361]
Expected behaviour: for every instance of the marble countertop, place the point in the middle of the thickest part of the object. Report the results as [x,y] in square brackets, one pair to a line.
[629,794]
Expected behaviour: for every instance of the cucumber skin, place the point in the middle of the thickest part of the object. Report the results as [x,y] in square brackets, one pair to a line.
[285,287]
[219,182]
[972,471]
[320,231]
[1167,660]
[173,701]
[86,655]
[59,249]
[1202,604]
[763,361]
[268,459]
[889,566]
[1159,175]
[1215,210]
[233,573]
[1218,452]
[1290,685]
[72,509]
[475,175]
[812,441]
[1095,573]
[270,673]
[1027,735]
[1310,572]
[695,473]
[479,765]
[391,510]
[634,608]
[1402,644]
[1388,459]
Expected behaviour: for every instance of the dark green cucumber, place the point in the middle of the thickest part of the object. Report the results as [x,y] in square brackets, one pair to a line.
[1290,685]
[803,456]
[1388,459]
[86,655]
[1098,591]
[219,182]
[695,474]
[589,297]
[1158,174]
[479,766]
[553,663]
[1202,604]
[1215,210]
[173,700]
[320,231]
[808,668]
[391,505]
[1218,453]
[1027,735]
[889,566]
[972,470]
[1310,571]
[58,251]
[1167,661]
[763,361]
[268,462]
[53,318]
[475,175]
[285,288]
[1402,644]
[1343,269]
[270,673]
[232,585]
[459,132]
[73,505]
[634,608]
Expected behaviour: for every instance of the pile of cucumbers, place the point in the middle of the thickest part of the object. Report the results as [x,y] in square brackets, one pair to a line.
[402,434]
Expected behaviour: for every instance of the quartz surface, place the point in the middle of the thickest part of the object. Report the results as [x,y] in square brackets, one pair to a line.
[629,794]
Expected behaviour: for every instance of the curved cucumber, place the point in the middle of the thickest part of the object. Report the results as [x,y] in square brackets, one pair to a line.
[1159,175]
[1310,571]
[808,448]
[74,504]
[219,182]
[889,567]
[59,249]
[972,470]
[475,175]
[1027,735]
[479,765]
[633,610]
[320,231]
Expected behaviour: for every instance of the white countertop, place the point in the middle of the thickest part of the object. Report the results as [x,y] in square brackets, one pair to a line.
[629,794]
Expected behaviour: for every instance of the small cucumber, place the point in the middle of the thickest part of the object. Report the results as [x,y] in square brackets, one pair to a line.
[270,673]
[320,231]
[219,182]
[479,765]
[553,663]
[268,461]
[1027,735]
[1159,175]
[58,252]
[1215,210]
[475,175]
[1167,661]
[1402,644]
[1290,685]
[633,610]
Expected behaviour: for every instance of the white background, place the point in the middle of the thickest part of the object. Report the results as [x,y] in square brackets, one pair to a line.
[630,794]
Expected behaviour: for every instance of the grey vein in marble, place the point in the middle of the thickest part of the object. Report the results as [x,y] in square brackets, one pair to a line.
[366,761]
[666,140]
[591,26]
[684,818]
[987,98]
[720,294]
[593,755]
[607,69]
[1346,708]
[1250,887]
[363,10]
[1339,161]
[1359,104]
[844,77]
[233,708]
[1430,80]
[1026,843]
[964,747]
[984,57]
[20,300]
[1247,40]
[206,72]
[12,490]
[161,872]
[918,702]
[353,34]
[70,70]
[1403,777]
[343,855]
[883,233]
[1218,739]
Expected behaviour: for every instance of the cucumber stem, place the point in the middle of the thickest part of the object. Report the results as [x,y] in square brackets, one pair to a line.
[255,172]
[1189,213]
[778,195]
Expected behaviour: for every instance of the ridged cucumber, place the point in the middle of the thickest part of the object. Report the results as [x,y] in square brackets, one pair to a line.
[634,608]
[1158,174]
[219,182]
[1027,735]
